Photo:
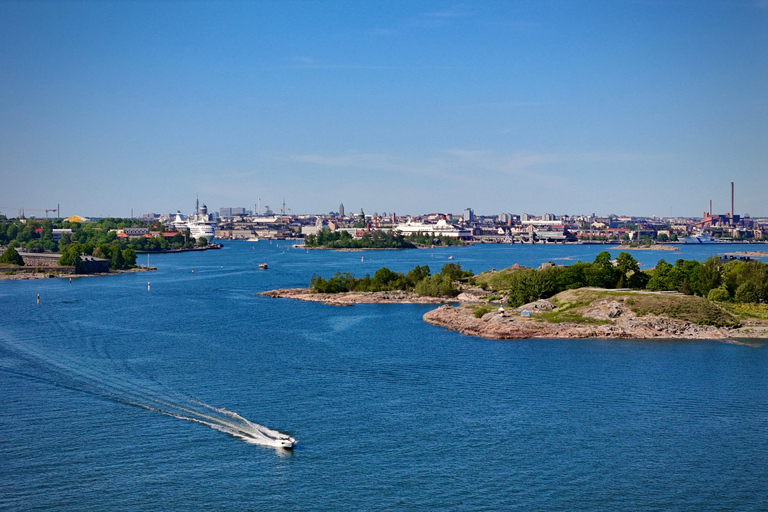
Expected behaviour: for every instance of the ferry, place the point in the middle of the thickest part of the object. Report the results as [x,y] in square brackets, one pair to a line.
[701,238]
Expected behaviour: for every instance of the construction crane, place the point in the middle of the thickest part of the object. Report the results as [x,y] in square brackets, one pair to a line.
[22,210]
[283,209]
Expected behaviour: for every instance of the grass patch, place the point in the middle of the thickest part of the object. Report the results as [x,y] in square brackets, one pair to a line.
[687,307]
[571,316]
[479,310]
[495,280]
[682,307]
[759,311]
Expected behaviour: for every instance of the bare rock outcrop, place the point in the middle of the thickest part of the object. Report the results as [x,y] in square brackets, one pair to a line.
[622,325]
[539,306]
[347,298]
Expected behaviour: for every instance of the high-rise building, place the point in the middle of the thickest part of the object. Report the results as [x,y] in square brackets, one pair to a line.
[341,210]
[231,212]
[469,215]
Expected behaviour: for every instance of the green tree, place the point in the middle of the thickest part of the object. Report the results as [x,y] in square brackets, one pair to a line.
[70,257]
[718,295]
[529,285]
[129,256]
[686,275]
[710,275]
[11,256]
[662,277]
[750,279]
[117,261]
[629,272]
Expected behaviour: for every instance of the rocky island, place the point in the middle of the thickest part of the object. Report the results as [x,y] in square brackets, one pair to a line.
[599,313]
[583,300]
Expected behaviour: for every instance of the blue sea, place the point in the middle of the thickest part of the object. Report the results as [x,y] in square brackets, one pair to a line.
[137,392]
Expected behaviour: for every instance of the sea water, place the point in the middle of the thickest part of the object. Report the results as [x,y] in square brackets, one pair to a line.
[147,391]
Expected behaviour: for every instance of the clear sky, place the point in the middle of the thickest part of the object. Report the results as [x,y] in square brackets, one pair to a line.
[646,107]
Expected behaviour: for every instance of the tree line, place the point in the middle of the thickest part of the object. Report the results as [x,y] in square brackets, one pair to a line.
[96,238]
[377,239]
[419,280]
[736,281]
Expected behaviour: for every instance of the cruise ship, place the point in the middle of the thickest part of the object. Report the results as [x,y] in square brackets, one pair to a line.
[198,224]
[441,228]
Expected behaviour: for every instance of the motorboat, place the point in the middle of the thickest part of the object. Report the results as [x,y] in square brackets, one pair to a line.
[285,441]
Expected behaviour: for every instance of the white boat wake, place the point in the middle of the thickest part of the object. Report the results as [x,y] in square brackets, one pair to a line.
[62,371]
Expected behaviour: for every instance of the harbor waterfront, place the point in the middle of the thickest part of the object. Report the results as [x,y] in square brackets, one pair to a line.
[390,413]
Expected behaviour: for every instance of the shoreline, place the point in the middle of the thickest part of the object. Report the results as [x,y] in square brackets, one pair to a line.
[609,318]
[651,327]
[646,248]
[24,276]
[351,298]
[751,254]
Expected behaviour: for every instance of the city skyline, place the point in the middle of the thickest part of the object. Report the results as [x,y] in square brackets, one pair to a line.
[632,108]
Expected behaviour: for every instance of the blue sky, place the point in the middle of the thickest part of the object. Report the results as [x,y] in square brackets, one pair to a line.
[630,107]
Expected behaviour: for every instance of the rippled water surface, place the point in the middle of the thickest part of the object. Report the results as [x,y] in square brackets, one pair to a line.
[116,397]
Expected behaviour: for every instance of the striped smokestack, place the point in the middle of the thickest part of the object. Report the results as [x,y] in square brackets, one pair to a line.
[731,200]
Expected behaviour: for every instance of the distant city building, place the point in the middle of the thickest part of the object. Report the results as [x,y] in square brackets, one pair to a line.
[524,217]
[505,218]
[341,210]
[230,212]
[57,233]
[135,232]
[469,215]
[548,216]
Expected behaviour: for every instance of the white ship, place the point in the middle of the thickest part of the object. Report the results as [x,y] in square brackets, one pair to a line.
[199,224]
[441,228]
[700,238]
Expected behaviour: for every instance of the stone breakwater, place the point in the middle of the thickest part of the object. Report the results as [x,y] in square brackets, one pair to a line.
[620,324]
[349,298]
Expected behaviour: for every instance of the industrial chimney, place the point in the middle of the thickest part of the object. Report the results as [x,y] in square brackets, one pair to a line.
[731,201]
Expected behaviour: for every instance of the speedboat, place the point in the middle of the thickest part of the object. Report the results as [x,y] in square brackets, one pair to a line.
[286,441]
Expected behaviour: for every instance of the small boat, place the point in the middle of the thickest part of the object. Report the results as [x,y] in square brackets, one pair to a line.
[263,266]
[252,239]
[286,441]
